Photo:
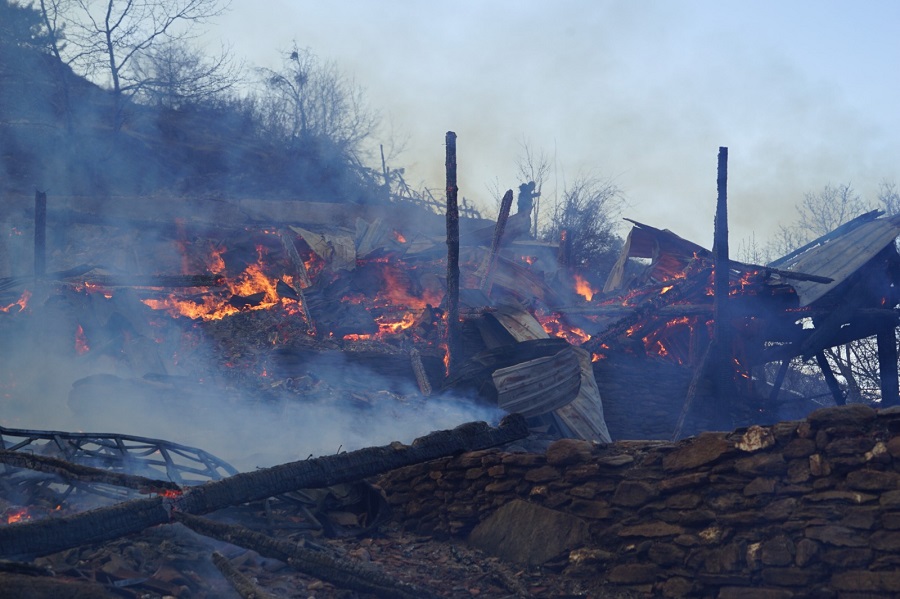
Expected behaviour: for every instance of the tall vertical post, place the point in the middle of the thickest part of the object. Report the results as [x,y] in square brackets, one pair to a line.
[40,234]
[887,365]
[723,374]
[454,336]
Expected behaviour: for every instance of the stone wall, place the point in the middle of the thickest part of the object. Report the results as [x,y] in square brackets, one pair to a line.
[807,508]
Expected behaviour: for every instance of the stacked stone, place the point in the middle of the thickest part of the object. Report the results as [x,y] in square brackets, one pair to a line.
[807,508]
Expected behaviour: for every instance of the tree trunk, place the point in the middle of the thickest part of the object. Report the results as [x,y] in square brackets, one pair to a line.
[49,536]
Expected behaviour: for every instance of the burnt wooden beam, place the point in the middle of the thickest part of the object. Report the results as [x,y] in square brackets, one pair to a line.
[830,379]
[887,365]
[722,341]
[491,258]
[454,331]
[43,537]
[341,572]
[779,379]
[87,474]
[245,587]
[167,281]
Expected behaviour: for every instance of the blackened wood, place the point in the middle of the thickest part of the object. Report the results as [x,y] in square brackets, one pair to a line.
[415,358]
[830,379]
[49,536]
[45,587]
[700,373]
[40,234]
[779,379]
[722,350]
[505,205]
[77,472]
[343,573]
[302,275]
[245,587]
[454,333]
[887,365]
[168,281]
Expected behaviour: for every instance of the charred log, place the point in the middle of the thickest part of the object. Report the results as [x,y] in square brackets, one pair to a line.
[87,474]
[343,573]
[49,536]
[245,587]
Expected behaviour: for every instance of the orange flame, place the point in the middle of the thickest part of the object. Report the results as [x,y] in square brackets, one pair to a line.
[22,302]
[81,344]
[583,288]
[399,237]
[18,515]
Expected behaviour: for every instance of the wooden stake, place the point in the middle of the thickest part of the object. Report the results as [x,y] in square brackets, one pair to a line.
[454,334]
[491,258]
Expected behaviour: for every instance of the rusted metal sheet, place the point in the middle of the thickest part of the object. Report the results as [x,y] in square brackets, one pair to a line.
[539,386]
[838,257]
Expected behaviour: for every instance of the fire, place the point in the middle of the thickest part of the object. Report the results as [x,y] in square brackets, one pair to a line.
[555,327]
[18,515]
[81,344]
[399,237]
[583,288]
[22,302]
[171,493]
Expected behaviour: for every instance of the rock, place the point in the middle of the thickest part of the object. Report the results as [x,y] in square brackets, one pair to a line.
[840,536]
[633,493]
[526,533]
[651,529]
[704,449]
[761,463]
[543,474]
[777,552]
[873,480]
[633,574]
[849,414]
[756,438]
[565,452]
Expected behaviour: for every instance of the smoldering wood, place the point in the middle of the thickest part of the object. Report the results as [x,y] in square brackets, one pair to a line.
[454,335]
[491,258]
[244,587]
[341,572]
[301,275]
[722,344]
[418,367]
[86,474]
[51,535]
[166,281]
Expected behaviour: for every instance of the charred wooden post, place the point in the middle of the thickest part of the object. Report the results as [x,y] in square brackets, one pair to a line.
[491,258]
[830,379]
[40,234]
[564,252]
[44,537]
[717,358]
[341,572]
[722,334]
[887,365]
[418,367]
[245,587]
[779,379]
[454,332]
[300,268]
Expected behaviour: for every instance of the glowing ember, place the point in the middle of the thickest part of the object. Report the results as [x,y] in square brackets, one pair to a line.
[81,344]
[22,302]
[555,327]
[399,237]
[171,493]
[583,288]
[18,515]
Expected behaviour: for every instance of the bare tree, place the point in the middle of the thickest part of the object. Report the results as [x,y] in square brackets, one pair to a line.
[889,197]
[589,211]
[108,36]
[534,166]
[173,74]
[312,100]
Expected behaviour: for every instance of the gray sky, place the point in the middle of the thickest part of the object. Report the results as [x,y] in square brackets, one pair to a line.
[803,93]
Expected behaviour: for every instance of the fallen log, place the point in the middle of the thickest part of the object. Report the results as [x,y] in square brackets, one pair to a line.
[48,536]
[88,474]
[343,573]
[245,587]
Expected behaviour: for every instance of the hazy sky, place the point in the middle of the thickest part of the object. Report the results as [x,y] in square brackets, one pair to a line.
[803,93]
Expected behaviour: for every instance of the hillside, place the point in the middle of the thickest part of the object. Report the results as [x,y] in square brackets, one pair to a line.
[56,135]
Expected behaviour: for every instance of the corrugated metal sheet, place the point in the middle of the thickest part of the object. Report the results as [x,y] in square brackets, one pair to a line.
[538,386]
[840,257]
